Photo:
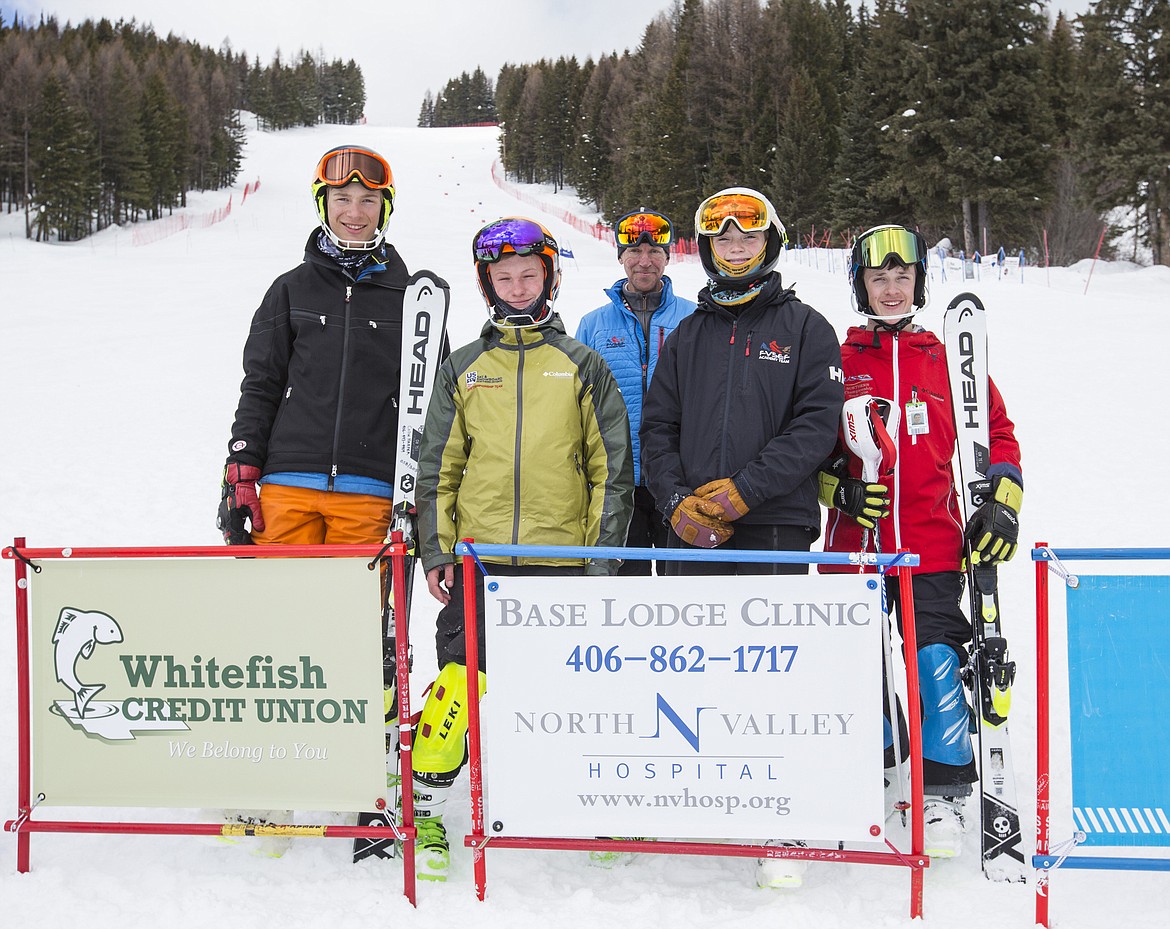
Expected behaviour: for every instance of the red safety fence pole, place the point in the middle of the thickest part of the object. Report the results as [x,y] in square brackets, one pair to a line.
[1043,778]
[475,766]
[914,722]
[405,730]
[23,726]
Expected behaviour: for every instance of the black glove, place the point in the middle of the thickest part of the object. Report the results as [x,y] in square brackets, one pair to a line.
[993,533]
[240,501]
[864,502]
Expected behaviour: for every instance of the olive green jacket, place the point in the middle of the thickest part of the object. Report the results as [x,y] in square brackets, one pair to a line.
[526,442]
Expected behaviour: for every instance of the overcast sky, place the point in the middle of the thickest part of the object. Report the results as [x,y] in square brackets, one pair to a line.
[404,47]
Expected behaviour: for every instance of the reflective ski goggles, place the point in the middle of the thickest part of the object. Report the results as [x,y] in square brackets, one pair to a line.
[748,212]
[643,226]
[342,165]
[519,236]
[875,247]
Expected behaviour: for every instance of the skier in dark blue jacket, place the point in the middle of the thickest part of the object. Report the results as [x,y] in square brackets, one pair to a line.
[747,394]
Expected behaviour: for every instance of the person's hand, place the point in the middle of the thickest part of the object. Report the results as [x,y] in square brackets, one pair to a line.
[440,580]
[993,532]
[696,521]
[866,503]
[726,496]
[240,501]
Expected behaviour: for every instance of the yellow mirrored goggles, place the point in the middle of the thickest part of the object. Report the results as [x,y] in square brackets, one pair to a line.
[643,226]
[876,247]
[749,213]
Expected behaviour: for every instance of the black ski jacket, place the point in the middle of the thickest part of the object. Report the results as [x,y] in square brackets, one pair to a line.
[753,395]
[321,371]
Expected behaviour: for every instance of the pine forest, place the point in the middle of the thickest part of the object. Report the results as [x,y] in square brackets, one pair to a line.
[107,123]
[986,122]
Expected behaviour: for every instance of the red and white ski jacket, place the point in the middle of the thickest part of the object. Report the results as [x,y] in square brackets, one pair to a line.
[905,368]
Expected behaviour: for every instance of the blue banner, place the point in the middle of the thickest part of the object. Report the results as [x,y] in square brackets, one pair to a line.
[1119,709]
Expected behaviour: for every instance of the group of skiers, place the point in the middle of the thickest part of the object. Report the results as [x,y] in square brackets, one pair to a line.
[665,423]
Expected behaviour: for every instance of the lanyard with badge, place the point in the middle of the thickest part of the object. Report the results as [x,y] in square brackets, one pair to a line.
[917,420]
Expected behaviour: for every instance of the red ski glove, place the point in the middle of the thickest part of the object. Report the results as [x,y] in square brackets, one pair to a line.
[240,501]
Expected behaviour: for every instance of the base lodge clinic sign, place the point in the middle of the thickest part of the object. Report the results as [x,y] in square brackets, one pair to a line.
[735,708]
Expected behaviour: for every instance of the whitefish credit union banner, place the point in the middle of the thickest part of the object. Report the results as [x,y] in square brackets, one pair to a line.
[721,707]
[252,683]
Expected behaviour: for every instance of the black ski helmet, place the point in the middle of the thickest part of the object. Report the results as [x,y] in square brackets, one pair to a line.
[881,247]
[751,211]
[516,235]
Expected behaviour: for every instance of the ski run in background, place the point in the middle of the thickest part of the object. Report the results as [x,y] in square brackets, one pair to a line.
[121,368]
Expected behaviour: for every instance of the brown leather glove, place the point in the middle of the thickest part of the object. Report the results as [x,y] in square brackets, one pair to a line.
[696,522]
[726,496]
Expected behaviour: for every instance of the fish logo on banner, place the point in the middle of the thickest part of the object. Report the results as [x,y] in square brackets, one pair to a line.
[76,635]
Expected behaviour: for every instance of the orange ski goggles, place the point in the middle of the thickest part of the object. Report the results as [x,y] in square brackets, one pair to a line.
[643,226]
[749,213]
[342,165]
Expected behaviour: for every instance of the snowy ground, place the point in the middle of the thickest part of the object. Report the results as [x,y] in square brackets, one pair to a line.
[122,367]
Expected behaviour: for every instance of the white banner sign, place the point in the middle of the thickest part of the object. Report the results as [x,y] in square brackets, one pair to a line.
[242,683]
[690,707]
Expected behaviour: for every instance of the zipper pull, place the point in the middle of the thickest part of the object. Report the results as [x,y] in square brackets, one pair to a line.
[348,292]
[734,326]
[747,350]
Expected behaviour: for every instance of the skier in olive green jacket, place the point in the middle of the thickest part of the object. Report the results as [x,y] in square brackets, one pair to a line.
[526,442]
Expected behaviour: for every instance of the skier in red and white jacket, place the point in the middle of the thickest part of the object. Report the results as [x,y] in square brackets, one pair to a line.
[916,507]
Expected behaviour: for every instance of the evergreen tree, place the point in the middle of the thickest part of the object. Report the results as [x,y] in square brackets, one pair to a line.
[20,89]
[1069,226]
[481,98]
[591,170]
[556,103]
[659,164]
[465,100]
[426,113]
[1126,125]
[740,99]
[509,86]
[122,160]
[163,136]
[101,69]
[65,170]
[976,132]
[800,167]
[866,189]
[676,148]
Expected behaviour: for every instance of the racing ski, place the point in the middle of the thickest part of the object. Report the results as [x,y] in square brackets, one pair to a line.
[989,672]
[424,323]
